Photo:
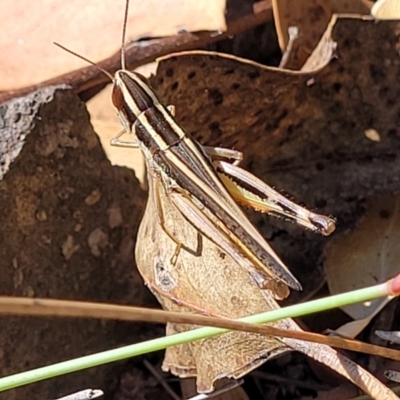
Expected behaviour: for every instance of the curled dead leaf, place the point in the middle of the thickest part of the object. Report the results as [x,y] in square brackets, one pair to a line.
[311,18]
[366,256]
[386,9]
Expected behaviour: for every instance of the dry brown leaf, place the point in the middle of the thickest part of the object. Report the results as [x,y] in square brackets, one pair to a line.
[367,256]
[204,280]
[92,28]
[311,17]
[207,280]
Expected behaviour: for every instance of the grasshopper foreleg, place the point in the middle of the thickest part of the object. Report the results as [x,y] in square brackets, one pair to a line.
[115,141]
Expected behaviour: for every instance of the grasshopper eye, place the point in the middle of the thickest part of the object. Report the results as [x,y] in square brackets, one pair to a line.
[125,114]
[117,97]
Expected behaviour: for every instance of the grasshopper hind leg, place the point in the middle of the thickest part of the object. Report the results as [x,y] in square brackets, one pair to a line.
[251,191]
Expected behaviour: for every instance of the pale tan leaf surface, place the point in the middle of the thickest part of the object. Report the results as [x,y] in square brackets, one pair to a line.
[386,9]
[212,284]
[92,28]
[372,134]
[367,256]
[311,17]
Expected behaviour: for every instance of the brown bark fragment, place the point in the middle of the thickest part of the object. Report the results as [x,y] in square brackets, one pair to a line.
[57,189]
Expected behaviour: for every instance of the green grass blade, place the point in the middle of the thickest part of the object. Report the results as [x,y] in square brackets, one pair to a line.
[94,360]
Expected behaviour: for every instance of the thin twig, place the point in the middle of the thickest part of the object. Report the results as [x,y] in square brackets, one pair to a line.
[80,309]
[89,78]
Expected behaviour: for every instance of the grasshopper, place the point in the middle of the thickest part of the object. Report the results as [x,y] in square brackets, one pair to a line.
[202,184]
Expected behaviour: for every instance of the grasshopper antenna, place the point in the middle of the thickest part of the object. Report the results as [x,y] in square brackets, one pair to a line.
[87,60]
[124,35]
[123,63]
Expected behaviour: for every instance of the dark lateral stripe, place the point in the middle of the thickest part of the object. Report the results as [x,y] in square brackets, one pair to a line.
[143,136]
[162,132]
[188,152]
[188,157]
[166,137]
[133,89]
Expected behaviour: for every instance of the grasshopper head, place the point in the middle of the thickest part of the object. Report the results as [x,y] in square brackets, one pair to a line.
[131,96]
